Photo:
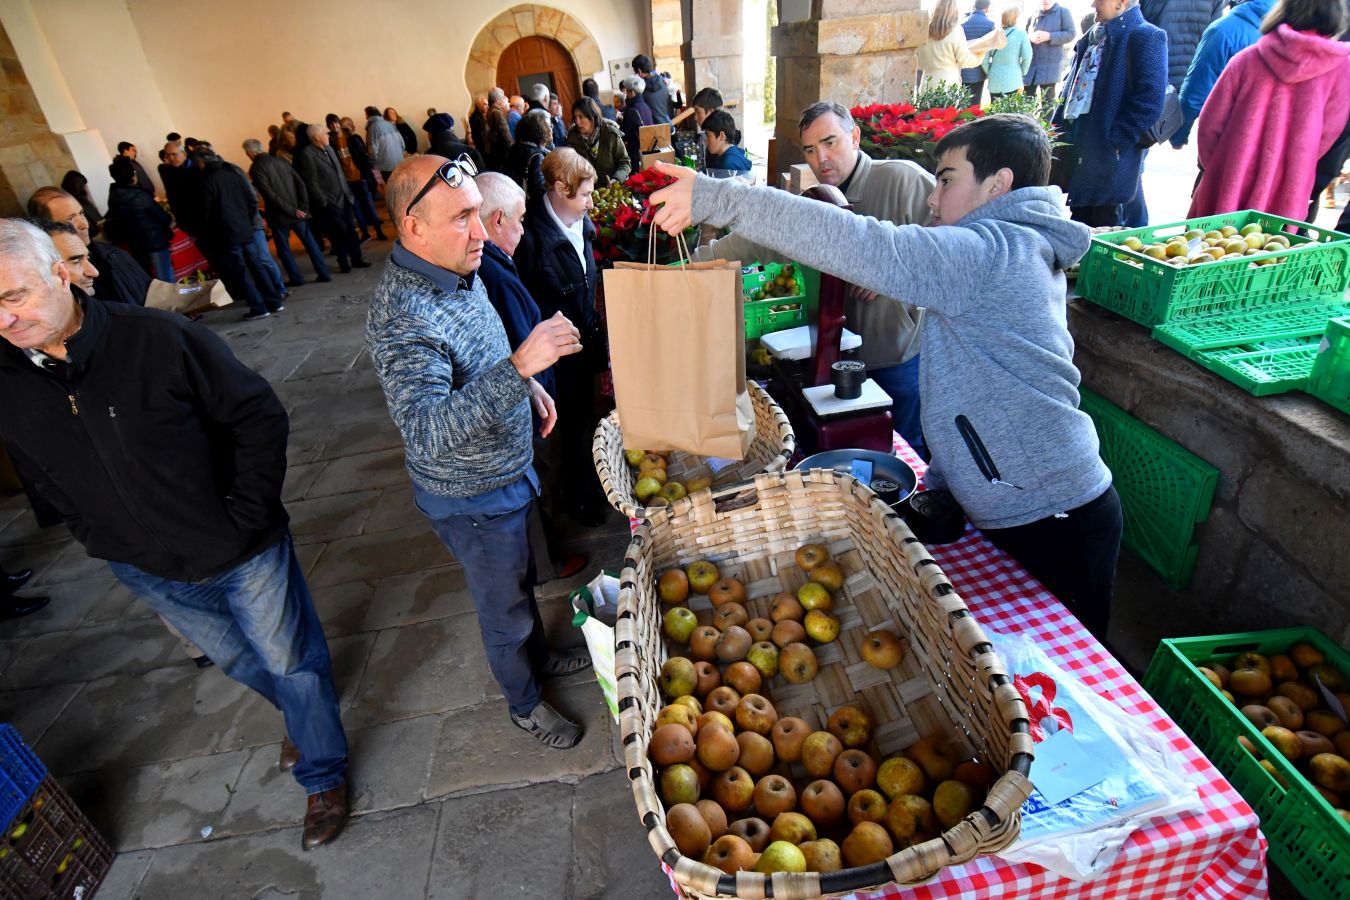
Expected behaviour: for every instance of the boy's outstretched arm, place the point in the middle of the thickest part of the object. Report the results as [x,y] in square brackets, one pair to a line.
[936,268]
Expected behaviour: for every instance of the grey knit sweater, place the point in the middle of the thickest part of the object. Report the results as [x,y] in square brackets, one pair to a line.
[996,346]
[444,362]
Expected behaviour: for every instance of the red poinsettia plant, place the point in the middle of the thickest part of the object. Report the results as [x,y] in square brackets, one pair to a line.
[900,131]
[647,182]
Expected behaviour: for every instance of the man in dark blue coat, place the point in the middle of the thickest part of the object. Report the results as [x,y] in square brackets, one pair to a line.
[976,25]
[503,216]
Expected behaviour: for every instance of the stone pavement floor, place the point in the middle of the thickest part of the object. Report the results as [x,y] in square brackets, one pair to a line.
[177,766]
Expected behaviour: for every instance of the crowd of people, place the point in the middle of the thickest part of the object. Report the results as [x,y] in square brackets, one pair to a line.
[1263,86]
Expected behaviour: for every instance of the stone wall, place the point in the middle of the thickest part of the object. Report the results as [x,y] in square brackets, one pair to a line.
[1275,550]
[30,154]
[850,51]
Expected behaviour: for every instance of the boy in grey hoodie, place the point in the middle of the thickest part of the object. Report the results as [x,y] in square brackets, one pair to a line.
[998,385]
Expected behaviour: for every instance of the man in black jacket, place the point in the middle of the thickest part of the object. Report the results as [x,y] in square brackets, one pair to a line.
[228,208]
[331,197]
[120,278]
[287,208]
[166,456]
[657,96]
[128,149]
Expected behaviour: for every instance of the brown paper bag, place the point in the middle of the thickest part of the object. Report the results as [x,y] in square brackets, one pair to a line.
[187,297]
[677,351]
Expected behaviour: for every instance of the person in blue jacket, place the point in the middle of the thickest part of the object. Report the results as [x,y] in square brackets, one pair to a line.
[723,136]
[1219,43]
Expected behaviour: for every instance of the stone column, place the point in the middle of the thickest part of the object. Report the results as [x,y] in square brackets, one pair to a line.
[668,36]
[848,51]
[31,154]
[715,51]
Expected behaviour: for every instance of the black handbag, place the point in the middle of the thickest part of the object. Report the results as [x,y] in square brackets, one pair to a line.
[1168,124]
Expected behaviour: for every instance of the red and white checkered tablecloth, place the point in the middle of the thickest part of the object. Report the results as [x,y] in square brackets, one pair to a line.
[1216,853]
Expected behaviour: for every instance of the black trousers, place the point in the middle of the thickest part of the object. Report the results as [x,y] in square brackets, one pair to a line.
[1328,168]
[339,223]
[1074,556]
[975,89]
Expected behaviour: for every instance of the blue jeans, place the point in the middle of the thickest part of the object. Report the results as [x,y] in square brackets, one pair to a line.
[366,216]
[260,260]
[281,236]
[494,549]
[902,383]
[161,262]
[1134,213]
[257,622]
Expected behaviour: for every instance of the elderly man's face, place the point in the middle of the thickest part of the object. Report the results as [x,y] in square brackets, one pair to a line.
[830,151]
[319,139]
[76,256]
[36,306]
[67,209]
[451,232]
[508,226]
[175,156]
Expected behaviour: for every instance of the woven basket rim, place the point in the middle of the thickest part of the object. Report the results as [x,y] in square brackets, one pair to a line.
[1015,779]
[609,426]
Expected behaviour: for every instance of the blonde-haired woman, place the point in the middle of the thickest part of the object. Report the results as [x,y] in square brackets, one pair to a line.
[947,51]
[1007,68]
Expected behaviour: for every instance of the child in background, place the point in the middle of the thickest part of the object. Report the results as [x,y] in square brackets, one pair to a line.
[723,137]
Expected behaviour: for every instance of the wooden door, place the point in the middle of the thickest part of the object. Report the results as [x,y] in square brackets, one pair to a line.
[531,60]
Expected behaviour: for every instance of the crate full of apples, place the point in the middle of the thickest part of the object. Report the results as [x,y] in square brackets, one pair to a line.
[793,726]
[1270,711]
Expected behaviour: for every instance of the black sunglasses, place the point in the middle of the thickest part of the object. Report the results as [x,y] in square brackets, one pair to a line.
[452,172]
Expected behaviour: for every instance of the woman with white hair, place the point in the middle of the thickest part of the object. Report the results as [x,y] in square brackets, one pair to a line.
[636,113]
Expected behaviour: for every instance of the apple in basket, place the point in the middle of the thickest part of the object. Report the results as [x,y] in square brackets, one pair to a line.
[910,819]
[821,626]
[792,827]
[690,702]
[646,488]
[753,830]
[709,678]
[828,575]
[760,629]
[679,784]
[723,699]
[673,586]
[819,751]
[731,854]
[733,789]
[851,725]
[814,596]
[809,556]
[714,815]
[671,744]
[679,623]
[774,794]
[788,735]
[718,750]
[688,829]
[781,856]
[677,677]
[823,802]
[934,757]
[726,590]
[756,753]
[744,677]
[703,643]
[755,713]
[882,649]
[867,805]
[763,656]
[785,606]
[702,574]
[898,775]
[677,714]
[867,843]
[797,663]
[787,632]
[822,856]
[854,770]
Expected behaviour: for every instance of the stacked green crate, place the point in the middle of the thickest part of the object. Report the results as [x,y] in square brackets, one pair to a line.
[1165,490]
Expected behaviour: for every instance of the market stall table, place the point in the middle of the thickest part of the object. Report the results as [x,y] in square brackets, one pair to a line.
[1218,852]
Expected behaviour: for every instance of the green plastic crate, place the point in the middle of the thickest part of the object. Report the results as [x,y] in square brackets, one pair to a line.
[1152,292]
[1302,320]
[760,317]
[1308,840]
[1164,489]
[1330,379]
[1264,368]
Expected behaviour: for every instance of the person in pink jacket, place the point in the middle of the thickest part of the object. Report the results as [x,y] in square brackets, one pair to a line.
[1278,106]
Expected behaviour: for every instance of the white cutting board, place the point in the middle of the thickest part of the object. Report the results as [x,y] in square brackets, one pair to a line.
[795,343]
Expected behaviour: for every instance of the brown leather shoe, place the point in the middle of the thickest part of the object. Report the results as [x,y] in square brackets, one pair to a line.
[290,755]
[325,814]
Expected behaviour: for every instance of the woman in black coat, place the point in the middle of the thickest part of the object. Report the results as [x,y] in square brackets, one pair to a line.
[135,219]
[557,265]
[496,141]
[524,161]
[405,130]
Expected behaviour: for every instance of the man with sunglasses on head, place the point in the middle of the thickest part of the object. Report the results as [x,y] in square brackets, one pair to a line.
[462,401]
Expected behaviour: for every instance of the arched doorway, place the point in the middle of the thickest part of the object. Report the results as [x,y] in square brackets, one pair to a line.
[531,20]
[536,59]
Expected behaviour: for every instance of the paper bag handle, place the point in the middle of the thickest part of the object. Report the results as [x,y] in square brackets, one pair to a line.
[679,245]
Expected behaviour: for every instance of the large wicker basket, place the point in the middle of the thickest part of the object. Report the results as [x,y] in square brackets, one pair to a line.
[770,449]
[951,681]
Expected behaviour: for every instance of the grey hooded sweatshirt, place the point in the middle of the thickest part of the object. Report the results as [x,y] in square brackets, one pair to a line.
[997,349]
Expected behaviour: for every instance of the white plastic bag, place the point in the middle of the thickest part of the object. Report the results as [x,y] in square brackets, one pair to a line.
[596,607]
[1079,838]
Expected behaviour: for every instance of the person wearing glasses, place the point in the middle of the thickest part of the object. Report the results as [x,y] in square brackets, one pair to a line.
[463,401]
